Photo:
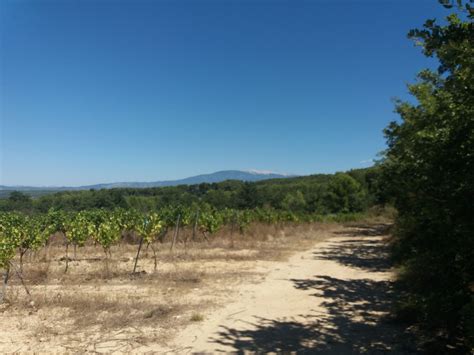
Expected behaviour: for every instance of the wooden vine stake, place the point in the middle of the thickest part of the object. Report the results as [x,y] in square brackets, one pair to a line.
[67,256]
[154,257]
[193,237]
[175,236]
[138,254]
[232,227]
[195,226]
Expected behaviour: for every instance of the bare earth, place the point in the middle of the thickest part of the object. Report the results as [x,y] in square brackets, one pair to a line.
[333,298]
[320,288]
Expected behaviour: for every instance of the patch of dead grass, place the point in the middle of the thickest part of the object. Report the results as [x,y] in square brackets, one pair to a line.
[197,317]
[79,310]
[90,299]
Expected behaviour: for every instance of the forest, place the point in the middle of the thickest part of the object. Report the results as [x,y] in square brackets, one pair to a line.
[321,194]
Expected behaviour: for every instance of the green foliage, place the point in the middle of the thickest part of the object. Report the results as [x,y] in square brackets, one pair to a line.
[23,232]
[10,237]
[19,197]
[300,195]
[17,201]
[57,221]
[80,228]
[18,231]
[294,202]
[429,172]
[32,236]
[148,226]
[107,228]
[210,221]
[7,250]
[345,194]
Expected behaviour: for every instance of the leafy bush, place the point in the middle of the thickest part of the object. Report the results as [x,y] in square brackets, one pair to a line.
[429,171]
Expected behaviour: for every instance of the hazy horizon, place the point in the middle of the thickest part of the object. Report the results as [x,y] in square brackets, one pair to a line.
[251,171]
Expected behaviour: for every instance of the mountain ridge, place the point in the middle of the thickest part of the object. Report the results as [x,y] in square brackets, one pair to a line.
[218,176]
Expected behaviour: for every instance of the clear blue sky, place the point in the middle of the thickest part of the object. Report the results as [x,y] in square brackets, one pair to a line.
[103,91]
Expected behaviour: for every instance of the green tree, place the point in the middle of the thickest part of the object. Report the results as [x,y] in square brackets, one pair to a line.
[19,197]
[429,171]
[294,202]
[18,201]
[345,194]
[248,196]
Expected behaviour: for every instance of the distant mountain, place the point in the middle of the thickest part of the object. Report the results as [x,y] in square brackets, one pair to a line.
[252,175]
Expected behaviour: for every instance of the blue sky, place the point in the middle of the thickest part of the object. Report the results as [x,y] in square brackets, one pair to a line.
[103,91]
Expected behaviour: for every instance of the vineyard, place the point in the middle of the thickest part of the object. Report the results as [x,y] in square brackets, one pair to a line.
[21,234]
[140,275]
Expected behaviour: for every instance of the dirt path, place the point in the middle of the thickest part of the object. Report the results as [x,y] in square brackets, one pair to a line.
[331,299]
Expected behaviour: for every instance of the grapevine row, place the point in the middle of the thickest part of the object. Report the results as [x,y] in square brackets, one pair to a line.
[20,233]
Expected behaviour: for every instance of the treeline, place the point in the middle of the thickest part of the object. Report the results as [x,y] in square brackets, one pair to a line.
[353,191]
[429,172]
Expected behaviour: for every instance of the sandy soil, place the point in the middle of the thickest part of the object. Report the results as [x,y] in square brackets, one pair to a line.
[333,298]
[89,309]
[322,288]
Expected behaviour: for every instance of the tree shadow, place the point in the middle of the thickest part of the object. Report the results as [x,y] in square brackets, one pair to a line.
[364,229]
[359,250]
[353,317]
[355,321]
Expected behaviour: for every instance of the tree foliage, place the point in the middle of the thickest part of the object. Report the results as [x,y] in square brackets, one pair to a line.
[429,172]
[303,195]
[345,194]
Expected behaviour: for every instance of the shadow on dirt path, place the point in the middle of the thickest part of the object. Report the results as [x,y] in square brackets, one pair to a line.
[359,250]
[353,303]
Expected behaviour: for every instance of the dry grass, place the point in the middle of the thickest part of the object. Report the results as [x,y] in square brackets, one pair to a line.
[92,300]
[197,317]
[111,311]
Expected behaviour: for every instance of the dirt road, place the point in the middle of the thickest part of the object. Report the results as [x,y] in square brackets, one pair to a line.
[333,298]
